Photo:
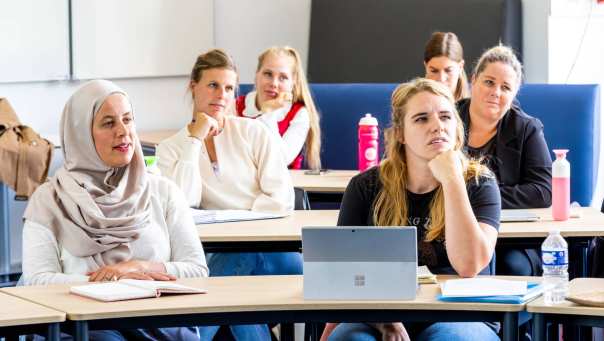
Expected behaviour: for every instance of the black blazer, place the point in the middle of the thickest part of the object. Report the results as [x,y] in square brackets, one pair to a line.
[522,159]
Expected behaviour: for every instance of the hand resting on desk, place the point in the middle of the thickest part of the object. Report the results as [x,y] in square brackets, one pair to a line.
[132,269]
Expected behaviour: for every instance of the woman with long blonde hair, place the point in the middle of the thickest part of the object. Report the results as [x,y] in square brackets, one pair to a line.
[282,101]
[425,181]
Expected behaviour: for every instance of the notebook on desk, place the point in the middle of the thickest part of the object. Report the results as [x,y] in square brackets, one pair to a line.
[489,290]
[130,289]
[224,216]
[359,263]
[509,216]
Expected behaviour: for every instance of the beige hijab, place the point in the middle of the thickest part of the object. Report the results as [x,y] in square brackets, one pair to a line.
[95,211]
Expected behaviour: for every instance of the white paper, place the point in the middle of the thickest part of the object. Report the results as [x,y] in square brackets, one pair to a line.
[424,272]
[516,215]
[129,289]
[112,291]
[162,286]
[221,216]
[477,287]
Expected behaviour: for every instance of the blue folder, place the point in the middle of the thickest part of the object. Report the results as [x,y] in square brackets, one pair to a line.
[533,291]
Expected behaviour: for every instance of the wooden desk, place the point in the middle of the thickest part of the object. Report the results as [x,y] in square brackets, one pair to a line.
[332,181]
[153,138]
[258,299]
[591,224]
[285,234]
[577,231]
[282,234]
[21,317]
[567,312]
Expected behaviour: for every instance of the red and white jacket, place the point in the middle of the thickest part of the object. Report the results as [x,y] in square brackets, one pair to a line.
[289,124]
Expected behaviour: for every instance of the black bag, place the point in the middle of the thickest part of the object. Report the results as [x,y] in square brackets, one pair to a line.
[595,255]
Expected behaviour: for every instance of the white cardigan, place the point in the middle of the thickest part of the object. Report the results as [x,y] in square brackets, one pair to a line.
[171,238]
[292,141]
[251,174]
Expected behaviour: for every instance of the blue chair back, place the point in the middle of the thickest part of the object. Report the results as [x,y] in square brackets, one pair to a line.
[570,115]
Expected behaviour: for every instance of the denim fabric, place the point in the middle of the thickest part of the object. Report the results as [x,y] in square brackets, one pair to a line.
[157,334]
[250,264]
[439,331]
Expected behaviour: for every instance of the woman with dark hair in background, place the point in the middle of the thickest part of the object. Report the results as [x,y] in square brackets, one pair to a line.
[443,60]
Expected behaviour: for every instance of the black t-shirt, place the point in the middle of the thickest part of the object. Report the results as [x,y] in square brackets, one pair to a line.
[487,154]
[357,210]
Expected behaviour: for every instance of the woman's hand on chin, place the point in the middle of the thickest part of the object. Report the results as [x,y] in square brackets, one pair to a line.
[447,166]
[283,99]
[202,126]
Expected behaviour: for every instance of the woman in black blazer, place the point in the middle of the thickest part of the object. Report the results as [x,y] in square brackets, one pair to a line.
[510,142]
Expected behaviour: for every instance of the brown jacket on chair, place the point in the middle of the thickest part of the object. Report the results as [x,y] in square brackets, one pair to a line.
[24,155]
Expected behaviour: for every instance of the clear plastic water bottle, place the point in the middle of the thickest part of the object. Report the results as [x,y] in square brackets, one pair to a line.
[554,254]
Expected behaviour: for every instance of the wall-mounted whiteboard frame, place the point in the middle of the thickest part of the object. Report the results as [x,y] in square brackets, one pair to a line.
[139,38]
[34,40]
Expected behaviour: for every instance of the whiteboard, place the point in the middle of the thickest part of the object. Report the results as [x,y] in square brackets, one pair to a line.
[34,40]
[139,38]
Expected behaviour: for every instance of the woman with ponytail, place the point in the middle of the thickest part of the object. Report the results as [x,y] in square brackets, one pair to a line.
[282,101]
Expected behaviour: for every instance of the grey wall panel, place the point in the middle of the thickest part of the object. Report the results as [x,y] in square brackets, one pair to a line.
[383,40]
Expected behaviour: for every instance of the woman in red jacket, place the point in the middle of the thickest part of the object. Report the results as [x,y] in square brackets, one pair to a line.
[282,101]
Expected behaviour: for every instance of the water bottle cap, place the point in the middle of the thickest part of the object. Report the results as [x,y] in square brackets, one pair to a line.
[368,120]
[554,232]
[560,153]
[150,161]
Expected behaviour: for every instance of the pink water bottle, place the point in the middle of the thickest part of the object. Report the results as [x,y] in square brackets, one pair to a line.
[368,142]
[561,186]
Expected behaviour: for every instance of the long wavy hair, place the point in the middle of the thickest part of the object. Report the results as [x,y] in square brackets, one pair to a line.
[391,204]
[301,93]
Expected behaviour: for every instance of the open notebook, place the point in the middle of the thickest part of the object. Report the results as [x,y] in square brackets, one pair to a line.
[130,289]
[223,216]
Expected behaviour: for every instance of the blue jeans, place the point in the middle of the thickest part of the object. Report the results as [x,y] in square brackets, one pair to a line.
[440,331]
[250,264]
[158,334]
[255,264]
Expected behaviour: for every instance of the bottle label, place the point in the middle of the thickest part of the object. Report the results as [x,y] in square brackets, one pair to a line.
[554,257]
[370,154]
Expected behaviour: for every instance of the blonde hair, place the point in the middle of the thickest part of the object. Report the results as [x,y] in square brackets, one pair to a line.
[446,44]
[301,93]
[213,59]
[390,208]
[499,54]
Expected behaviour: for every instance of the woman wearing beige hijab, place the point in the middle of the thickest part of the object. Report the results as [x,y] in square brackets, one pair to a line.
[102,217]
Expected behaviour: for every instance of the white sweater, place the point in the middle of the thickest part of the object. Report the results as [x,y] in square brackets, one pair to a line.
[171,239]
[251,174]
[293,140]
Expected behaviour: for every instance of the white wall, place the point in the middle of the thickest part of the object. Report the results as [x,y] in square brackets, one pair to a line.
[563,44]
[159,103]
[244,28]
